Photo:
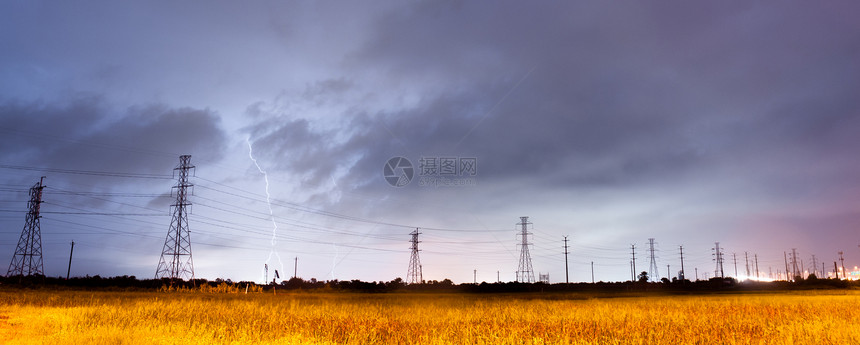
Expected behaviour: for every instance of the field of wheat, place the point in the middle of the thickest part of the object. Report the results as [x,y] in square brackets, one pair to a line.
[81,317]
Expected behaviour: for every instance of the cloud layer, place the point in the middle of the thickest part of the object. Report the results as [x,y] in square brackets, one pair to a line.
[613,123]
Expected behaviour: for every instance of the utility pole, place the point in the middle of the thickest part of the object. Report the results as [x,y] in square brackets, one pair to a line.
[756,266]
[697,273]
[475,272]
[525,273]
[176,261]
[735,259]
[785,257]
[668,272]
[71,251]
[836,269]
[498,277]
[633,252]
[632,276]
[842,261]
[653,271]
[566,274]
[27,259]
[414,274]
[592,272]
[296,268]
[682,262]
[747,260]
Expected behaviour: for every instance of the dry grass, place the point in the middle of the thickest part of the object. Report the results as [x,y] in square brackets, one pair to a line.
[46,317]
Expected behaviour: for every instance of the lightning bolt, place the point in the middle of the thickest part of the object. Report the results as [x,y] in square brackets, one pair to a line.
[269,204]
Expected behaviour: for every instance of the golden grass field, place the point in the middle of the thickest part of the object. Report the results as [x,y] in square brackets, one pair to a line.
[83,317]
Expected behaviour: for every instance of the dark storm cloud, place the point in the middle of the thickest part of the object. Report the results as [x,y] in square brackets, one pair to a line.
[628,88]
[86,134]
[597,96]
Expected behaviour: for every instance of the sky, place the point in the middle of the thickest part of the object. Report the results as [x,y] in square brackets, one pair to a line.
[606,122]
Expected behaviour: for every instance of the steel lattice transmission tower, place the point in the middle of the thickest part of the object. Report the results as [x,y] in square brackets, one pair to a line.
[653,271]
[415,275]
[718,258]
[176,262]
[28,254]
[525,273]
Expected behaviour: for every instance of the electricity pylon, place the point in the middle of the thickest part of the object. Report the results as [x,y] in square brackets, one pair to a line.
[653,271]
[176,261]
[415,275]
[718,258]
[525,273]
[28,253]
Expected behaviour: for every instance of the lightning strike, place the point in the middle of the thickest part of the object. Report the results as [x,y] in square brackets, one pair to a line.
[274,241]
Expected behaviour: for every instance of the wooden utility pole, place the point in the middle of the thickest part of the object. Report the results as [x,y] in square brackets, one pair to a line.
[592,272]
[566,274]
[842,261]
[72,251]
[633,251]
[632,277]
[735,259]
[756,266]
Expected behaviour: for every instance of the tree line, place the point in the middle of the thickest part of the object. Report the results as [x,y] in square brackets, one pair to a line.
[446,285]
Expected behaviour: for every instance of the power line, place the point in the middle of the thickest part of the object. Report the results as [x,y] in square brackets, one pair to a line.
[108,214]
[306,209]
[85,172]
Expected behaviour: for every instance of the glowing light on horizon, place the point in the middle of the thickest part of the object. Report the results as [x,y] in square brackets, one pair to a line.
[759,279]
[274,241]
